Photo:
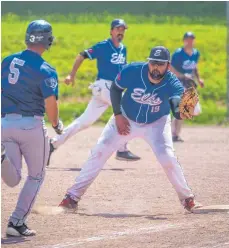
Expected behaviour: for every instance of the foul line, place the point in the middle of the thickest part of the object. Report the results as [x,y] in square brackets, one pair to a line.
[115,235]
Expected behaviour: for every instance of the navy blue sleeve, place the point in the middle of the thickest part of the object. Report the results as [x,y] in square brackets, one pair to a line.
[123,79]
[49,84]
[94,52]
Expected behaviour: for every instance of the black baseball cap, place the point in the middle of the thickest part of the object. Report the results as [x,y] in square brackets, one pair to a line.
[189,35]
[159,53]
[118,23]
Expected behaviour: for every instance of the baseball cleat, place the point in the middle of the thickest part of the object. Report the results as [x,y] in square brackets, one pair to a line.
[177,139]
[69,203]
[17,231]
[51,150]
[126,156]
[190,204]
[3,152]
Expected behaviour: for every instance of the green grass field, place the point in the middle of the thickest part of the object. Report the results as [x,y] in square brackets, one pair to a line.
[140,38]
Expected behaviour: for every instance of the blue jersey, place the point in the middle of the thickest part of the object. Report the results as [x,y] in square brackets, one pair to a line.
[110,59]
[144,102]
[26,81]
[183,62]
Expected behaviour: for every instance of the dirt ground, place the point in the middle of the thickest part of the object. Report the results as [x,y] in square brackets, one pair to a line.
[132,204]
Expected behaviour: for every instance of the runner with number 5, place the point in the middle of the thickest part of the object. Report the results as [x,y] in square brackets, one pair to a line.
[29,89]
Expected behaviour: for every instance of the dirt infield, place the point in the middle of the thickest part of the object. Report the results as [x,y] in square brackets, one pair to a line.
[132,204]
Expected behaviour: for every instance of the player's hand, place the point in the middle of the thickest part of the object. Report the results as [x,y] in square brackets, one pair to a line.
[70,80]
[201,83]
[59,128]
[122,124]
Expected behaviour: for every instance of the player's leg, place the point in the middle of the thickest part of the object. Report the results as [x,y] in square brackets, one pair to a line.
[122,153]
[197,109]
[108,142]
[35,149]
[11,155]
[176,130]
[94,110]
[11,163]
[159,137]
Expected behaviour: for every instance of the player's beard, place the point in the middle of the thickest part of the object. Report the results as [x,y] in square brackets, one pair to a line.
[156,75]
[119,37]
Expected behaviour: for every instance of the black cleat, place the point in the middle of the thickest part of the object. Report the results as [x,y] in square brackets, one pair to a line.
[177,139]
[3,152]
[126,156]
[17,231]
[52,149]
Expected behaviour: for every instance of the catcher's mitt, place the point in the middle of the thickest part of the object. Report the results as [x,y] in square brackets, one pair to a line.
[188,102]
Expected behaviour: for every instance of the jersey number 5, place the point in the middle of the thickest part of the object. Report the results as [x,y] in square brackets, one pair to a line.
[14,72]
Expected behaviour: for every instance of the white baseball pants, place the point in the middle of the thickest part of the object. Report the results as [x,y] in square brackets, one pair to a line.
[157,135]
[98,104]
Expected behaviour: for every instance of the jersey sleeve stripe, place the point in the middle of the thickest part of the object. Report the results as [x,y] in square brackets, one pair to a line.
[118,85]
[174,97]
[89,55]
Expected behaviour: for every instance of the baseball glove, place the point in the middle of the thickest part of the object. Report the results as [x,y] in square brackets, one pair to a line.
[188,102]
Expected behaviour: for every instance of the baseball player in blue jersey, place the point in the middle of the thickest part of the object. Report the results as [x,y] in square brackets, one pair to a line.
[111,57]
[29,89]
[151,91]
[184,65]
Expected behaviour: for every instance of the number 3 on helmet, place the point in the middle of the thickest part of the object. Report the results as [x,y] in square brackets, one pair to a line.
[39,32]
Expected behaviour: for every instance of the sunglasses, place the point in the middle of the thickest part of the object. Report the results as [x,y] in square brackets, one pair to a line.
[158,63]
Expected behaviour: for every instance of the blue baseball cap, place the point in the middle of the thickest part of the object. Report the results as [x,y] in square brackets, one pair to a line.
[159,53]
[118,23]
[189,35]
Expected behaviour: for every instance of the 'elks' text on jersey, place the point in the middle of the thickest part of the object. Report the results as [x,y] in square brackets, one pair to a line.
[144,102]
[183,62]
[110,59]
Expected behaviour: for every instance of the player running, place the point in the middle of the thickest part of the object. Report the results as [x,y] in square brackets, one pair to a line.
[29,88]
[184,65]
[111,57]
[151,91]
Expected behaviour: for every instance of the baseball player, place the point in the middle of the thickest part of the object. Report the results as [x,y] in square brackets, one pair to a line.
[29,88]
[111,57]
[184,65]
[151,91]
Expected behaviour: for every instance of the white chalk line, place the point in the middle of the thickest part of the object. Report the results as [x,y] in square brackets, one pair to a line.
[115,235]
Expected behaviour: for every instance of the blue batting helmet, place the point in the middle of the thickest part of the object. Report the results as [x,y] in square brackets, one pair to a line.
[39,32]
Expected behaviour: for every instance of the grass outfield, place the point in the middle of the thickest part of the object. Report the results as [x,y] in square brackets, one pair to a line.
[140,38]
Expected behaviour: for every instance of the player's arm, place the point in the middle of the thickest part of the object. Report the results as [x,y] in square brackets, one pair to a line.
[116,96]
[91,53]
[197,75]
[49,89]
[116,91]
[77,63]
[174,105]
[175,93]
[117,88]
